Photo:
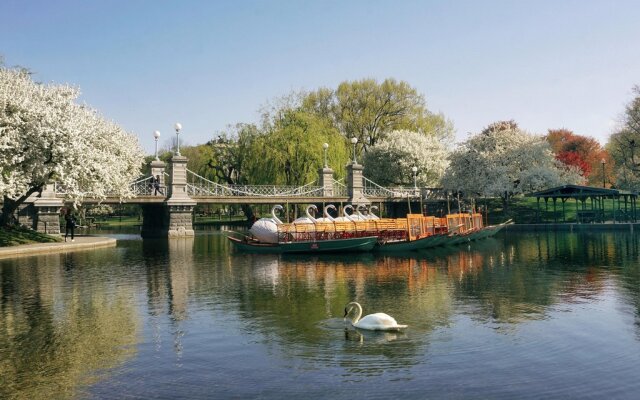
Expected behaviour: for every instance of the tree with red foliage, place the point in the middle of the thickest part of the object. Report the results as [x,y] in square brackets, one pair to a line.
[575,159]
[581,151]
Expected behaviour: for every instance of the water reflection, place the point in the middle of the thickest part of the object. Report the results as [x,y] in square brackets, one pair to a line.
[60,328]
[192,310]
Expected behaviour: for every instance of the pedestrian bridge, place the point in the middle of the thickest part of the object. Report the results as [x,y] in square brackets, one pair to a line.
[204,190]
[168,207]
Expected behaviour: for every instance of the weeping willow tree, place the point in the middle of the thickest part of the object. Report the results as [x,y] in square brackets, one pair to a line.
[290,152]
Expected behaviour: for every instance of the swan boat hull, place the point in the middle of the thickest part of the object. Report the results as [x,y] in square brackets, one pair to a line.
[362,244]
[412,245]
[439,240]
[483,233]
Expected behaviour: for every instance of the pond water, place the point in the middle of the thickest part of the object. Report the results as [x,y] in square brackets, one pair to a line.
[523,315]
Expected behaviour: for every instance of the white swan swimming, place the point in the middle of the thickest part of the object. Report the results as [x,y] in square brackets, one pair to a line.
[372,322]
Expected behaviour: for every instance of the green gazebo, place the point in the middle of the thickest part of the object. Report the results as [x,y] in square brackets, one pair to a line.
[590,203]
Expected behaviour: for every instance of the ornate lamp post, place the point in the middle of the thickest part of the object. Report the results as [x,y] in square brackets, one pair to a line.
[178,127]
[414,169]
[354,140]
[325,146]
[156,136]
[604,182]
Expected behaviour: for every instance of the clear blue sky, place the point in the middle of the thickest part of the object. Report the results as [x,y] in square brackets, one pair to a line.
[206,64]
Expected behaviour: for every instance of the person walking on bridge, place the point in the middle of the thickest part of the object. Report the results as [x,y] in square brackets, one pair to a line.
[156,186]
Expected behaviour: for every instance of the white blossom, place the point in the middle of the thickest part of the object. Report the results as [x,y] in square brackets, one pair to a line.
[504,160]
[45,136]
[392,159]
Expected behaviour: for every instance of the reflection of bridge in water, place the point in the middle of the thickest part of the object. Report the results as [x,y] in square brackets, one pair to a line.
[168,205]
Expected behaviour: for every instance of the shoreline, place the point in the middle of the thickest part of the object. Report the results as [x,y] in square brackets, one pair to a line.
[95,242]
[81,243]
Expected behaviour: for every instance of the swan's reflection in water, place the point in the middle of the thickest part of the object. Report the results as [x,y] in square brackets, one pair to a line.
[378,337]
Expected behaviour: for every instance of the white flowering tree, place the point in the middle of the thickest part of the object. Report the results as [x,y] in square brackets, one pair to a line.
[391,160]
[46,136]
[503,161]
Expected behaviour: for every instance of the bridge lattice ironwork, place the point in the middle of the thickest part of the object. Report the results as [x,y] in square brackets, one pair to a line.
[200,186]
[372,189]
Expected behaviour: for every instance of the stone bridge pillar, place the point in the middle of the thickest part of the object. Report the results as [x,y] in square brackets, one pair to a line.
[326,181]
[355,184]
[173,218]
[179,206]
[42,212]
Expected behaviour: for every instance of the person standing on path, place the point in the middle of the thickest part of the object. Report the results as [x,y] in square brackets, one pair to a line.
[70,225]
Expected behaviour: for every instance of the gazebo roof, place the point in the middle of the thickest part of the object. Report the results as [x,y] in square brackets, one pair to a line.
[576,191]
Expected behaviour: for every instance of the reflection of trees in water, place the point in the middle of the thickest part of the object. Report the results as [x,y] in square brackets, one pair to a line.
[535,270]
[58,330]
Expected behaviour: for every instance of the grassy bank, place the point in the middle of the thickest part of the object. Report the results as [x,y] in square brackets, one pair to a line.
[16,236]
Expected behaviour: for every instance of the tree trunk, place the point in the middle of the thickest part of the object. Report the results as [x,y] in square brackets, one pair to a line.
[9,206]
[505,204]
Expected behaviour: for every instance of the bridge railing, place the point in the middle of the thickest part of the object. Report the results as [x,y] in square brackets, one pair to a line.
[143,186]
[200,186]
[339,188]
[140,187]
[372,189]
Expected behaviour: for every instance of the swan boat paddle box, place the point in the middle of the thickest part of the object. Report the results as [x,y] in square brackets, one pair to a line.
[318,246]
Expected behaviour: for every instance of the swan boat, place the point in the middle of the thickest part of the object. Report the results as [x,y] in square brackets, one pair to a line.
[300,236]
[359,232]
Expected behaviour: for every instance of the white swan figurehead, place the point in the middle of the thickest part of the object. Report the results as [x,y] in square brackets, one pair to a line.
[358,215]
[273,213]
[371,214]
[345,216]
[308,219]
[327,217]
[371,322]
[266,229]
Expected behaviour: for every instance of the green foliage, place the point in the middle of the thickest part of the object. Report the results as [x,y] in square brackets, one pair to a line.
[290,152]
[287,148]
[370,111]
[230,152]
